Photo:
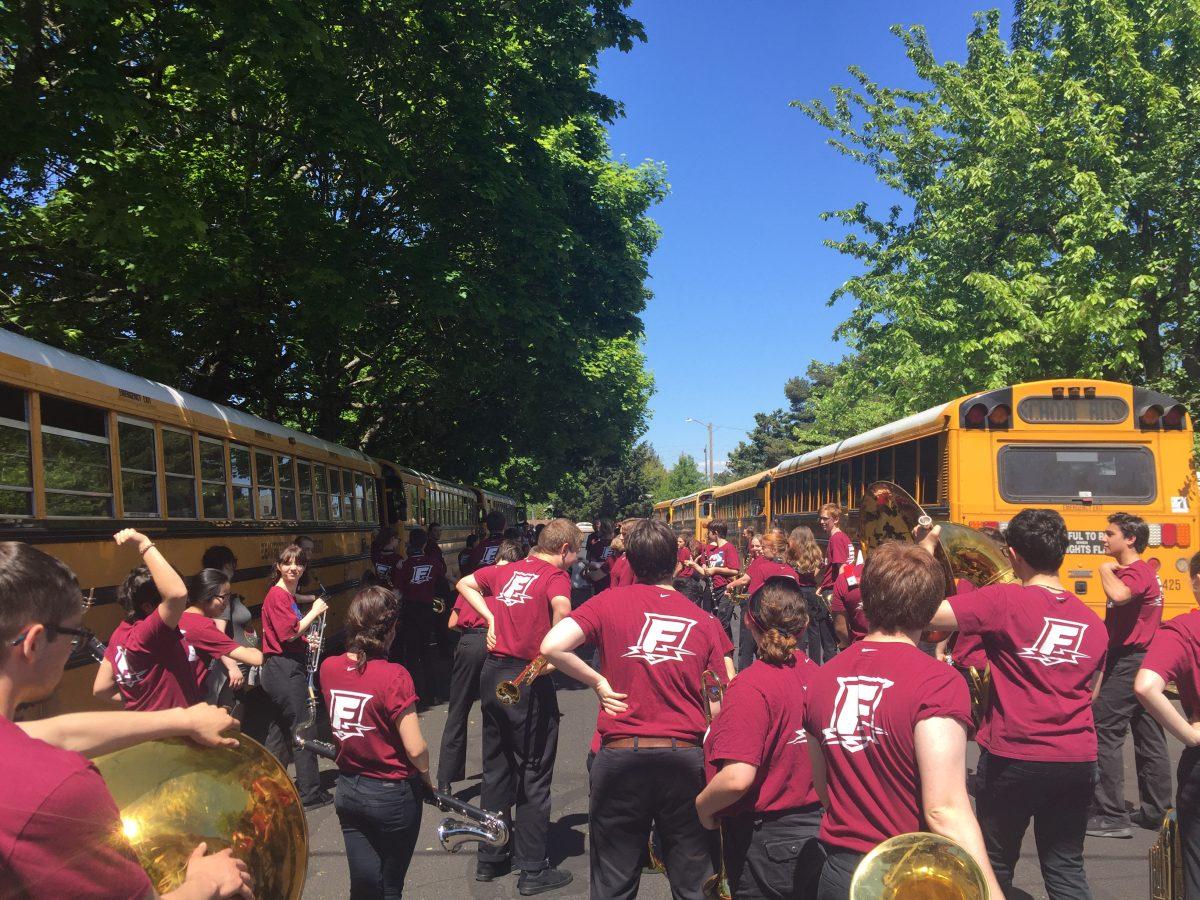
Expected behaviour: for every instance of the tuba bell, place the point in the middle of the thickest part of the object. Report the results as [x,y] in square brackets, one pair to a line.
[173,794]
[1166,862]
[918,866]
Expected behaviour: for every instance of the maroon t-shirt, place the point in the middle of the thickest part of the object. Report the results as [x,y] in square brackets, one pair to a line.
[847,600]
[467,617]
[1175,655]
[966,650]
[153,665]
[280,616]
[364,708]
[654,646]
[683,555]
[761,723]
[863,706]
[621,572]
[726,556]
[1133,624]
[60,831]
[484,553]
[519,596]
[1045,648]
[416,577]
[206,641]
[384,562]
[761,568]
[838,552]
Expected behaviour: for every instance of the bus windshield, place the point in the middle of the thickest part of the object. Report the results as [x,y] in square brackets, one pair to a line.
[1032,473]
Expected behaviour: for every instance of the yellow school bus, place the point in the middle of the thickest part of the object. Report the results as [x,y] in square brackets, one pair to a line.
[1084,447]
[662,511]
[743,504]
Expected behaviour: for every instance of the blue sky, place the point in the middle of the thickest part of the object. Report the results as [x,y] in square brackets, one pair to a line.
[741,277]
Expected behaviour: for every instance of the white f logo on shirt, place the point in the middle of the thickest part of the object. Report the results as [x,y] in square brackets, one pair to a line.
[517,589]
[421,574]
[852,724]
[1058,643]
[662,639]
[346,710]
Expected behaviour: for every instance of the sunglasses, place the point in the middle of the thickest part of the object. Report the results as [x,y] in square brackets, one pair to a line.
[79,636]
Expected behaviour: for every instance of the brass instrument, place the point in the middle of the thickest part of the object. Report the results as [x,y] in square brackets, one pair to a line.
[918,866]
[438,605]
[480,825]
[716,886]
[1166,862]
[173,795]
[509,692]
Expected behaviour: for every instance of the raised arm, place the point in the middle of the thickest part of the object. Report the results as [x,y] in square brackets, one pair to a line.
[168,582]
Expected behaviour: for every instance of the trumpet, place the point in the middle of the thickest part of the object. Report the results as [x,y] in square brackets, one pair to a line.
[478,825]
[716,886]
[509,692]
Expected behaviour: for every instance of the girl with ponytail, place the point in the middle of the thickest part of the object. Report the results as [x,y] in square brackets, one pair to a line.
[772,563]
[760,777]
[382,757]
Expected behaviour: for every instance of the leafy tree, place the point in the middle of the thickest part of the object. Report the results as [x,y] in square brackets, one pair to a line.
[1046,207]
[615,491]
[682,479]
[395,226]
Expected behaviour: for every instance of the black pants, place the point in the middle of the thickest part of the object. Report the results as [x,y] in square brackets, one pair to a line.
[821,639]
[1117,710]
[380,822]
[415,637]
[774,857]
[285,681]
[520,743]
[723,610]
[838,872]
[464,691]
[1056,796]
[1187,811]
[630,789]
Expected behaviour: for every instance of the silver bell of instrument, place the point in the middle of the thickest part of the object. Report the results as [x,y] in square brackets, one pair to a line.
[453,833]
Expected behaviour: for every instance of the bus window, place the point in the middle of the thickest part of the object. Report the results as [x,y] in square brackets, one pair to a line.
[930,466]
[360,497]
[139,469]
[239,472]
[885,465]
[871,468]
[264,484]
[287,488]
[307,508]
[75,459]
[16,474]
[335,492]
[348,496]
[1049,474]
[212,479]
[320,493]
[844,499]
[906,467]
[181,474]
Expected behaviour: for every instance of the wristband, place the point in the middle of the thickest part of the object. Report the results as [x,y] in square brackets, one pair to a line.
[143,550]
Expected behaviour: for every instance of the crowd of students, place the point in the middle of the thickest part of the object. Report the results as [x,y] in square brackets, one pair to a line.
[840,727]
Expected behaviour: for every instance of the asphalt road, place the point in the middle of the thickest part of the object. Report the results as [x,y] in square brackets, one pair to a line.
[1117,869]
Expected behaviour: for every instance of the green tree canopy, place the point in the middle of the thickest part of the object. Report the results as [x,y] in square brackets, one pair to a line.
[617,490]
[682,479]
[1046,213]
[394,225]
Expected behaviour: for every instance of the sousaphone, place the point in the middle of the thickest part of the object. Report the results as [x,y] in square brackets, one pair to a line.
[919,866]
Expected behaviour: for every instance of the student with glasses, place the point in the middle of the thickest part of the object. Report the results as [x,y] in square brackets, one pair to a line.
[209,594]
[58,820]
[147,660]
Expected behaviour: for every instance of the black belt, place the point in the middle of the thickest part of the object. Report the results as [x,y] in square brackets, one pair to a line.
[482,630]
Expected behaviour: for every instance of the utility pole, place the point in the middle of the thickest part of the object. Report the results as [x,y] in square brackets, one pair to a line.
[709,461]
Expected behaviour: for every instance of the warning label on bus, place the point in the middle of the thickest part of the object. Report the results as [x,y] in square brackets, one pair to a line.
[1085,543]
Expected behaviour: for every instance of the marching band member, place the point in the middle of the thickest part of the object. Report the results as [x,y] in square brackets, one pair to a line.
[804,555]
[619,571]
[722,564]
[1132,616]
[148,660]
[654,645]
[1174,656]
[838,550]
[58,819]
[845,605]
[887,727]
[464,679]
[381,755]
[682,555]
[770,563]
[520,741]
[209,646]
[385,554]
[415,580]
[1037,741]
[465,553]
[599,548]
[285,670]
[760,777]
[484,553]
